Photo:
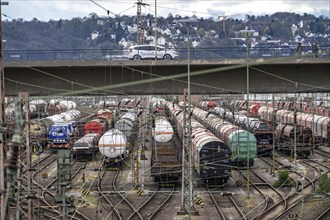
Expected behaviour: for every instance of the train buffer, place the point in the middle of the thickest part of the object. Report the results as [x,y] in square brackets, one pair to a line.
[325,159]
[45,175]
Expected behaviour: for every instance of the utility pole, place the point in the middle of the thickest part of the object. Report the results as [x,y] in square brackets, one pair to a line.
[140,29]
[2,121]
[247,33]
[24,96]
[313,137]
[155,29]
[224,24]
[187,205]
[273,128]
[295,126]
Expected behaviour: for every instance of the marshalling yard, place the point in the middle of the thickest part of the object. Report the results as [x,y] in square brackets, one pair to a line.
[150,157]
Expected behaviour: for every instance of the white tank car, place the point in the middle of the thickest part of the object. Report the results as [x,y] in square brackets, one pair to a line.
[163,131]
[126,123]
[113,144]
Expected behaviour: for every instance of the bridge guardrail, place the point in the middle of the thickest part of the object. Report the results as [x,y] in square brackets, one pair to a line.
[195,53]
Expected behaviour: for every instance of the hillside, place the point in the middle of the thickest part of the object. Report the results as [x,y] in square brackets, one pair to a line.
[96,32]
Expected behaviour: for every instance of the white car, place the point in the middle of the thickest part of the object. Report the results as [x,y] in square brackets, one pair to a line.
[141,52]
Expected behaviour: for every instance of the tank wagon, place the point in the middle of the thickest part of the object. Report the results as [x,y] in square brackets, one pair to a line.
[86,147]
[114,147]
[211,156]
[285,139]
[162,129]
[114,144]
[165,161]
[81,124]
[99,126]
[242,143]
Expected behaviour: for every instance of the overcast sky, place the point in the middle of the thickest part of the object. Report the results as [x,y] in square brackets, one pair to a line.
[66,9]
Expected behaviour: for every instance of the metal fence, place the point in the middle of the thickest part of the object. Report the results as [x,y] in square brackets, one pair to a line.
[195,53]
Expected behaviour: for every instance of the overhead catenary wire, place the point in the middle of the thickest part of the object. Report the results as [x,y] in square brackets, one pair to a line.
[60,78]
[108,11]
[292,81]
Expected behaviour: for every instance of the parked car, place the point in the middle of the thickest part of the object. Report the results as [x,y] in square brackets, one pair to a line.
[139,52]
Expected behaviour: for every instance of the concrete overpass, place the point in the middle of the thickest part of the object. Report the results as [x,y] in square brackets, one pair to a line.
[42,78]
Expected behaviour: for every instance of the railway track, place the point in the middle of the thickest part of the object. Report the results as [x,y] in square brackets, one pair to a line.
[159,200]
[324,154]
[271,196]
[46,196]
[103,185]
[323,215]
[226,206]
[304,188]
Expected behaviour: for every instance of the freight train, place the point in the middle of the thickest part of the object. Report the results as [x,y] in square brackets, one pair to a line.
[165,161]
[39,128]
[38,108]
[126,125]
[300,106]
[319,125]
[115,144]
[261,130]
[242,143]
[306,107]
[211,156]
[285,135]
[87,146]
